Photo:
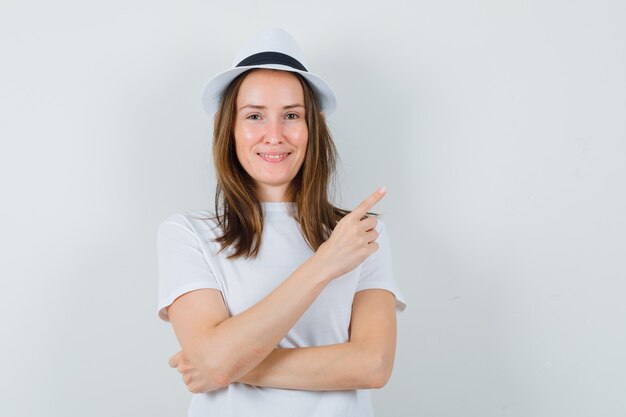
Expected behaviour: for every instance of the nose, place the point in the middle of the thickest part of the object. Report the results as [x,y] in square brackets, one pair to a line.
[274,131]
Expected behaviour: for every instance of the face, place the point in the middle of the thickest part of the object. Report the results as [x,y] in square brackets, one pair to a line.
[270,130]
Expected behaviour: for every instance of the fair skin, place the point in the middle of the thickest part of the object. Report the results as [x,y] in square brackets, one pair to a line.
[271,122]
[218,349]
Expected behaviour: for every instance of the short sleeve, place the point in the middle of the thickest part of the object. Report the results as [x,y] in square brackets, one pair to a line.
[181,262]
[377,269]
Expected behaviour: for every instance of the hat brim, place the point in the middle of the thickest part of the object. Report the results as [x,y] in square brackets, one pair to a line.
[215,87]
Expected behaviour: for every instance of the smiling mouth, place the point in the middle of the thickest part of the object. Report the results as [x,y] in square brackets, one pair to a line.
[274,157]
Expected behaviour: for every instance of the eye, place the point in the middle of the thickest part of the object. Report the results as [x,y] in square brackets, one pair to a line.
[292,116]
[254,117]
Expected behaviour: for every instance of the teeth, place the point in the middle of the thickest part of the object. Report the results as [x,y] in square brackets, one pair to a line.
[273,156]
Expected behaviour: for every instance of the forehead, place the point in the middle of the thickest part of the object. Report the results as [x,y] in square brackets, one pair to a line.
[271,86]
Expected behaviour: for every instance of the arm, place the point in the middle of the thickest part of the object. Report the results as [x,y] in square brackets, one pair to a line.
[219,349]
[200,319]
[365,362]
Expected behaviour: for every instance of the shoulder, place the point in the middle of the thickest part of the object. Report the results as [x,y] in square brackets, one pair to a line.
[195,222]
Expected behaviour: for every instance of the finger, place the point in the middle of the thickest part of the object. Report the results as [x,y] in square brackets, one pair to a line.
[373,247]
[366,205]
[174,360]
[371,235]
[369,223]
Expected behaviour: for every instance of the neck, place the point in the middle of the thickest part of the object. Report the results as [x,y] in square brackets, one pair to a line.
[274,194]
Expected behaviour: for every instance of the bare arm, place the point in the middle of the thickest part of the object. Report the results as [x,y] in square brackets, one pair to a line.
[365,362]
[221,349]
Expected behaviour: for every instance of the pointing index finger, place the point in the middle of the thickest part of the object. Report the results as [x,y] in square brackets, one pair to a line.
[365,206]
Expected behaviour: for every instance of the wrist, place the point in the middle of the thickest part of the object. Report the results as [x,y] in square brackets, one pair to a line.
[320,268]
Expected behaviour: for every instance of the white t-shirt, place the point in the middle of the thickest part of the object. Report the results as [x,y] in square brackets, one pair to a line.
[188,261]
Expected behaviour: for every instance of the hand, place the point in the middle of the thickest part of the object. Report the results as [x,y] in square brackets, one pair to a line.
[352,239]
[195,380]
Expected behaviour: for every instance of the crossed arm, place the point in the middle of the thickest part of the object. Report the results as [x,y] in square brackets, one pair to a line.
[218,349]
[364,362]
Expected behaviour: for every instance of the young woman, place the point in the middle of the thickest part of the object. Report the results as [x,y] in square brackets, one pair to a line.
[283,304]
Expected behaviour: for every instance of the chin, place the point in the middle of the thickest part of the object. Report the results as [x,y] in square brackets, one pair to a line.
[276,178]
[274,181]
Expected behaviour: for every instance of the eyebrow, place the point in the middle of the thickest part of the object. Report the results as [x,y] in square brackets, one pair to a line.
[255,106]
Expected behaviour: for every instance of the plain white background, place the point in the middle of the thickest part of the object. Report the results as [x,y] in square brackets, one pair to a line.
[498,127]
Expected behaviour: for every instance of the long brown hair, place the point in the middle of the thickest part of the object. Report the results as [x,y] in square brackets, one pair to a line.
[237,208]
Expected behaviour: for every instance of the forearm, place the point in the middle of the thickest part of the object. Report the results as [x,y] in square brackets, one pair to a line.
[222,349]
[237,345]
[344,366]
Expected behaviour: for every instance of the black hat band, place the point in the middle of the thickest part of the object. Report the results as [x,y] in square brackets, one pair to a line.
[263,58]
